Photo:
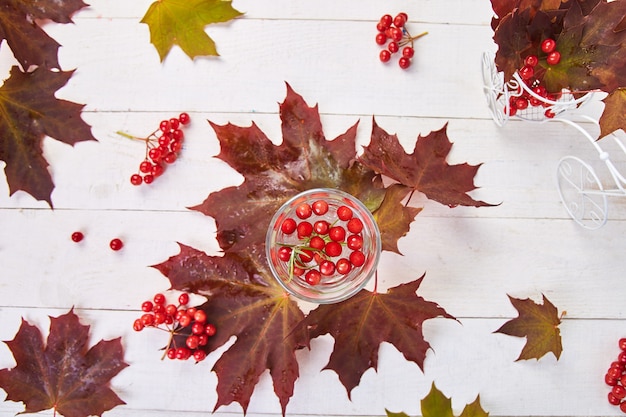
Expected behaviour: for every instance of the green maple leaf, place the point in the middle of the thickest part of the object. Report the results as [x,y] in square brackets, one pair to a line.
[183,22]
[30,111]
[63,374]
[29,43]
[361,323]
[539,324]
[614,115]
[435,404]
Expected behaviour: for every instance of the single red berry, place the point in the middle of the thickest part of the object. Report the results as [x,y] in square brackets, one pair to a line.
[548,45]
[404,62]
[184,118]
[313,277]
[549,114]
[138,325]
[408,52]
[176,145]
[155,154]
[304,211]
[393,47]
[192,342]
[184,320]
[343,266]
[288,226]
[199,355]
[531,60]
[344,213]
[521,103]
[197,328]
[284,253]
[622,357]
[337,233]
[147,306]
[170,309]
[157,170]
[159,318]
[622,407]
[386,20]
[380,26]
[321,227]
[553,58]
[618,365]
[619,391]
[183,299]
[165,125]
[199,316]
[297,271]
[614,372]
[171,353]
[147,319]
[333,249]
[136,179]
[622,343]
[327,268]
[381,38]
[170,158]
[611,381]
[399,20]
[355,225]
[210,329]
[354,242]
[319,207]
[406,16]
[158,308]
[148,178]
[306,255]
[145,167]
[203,339]
[178,135]
[190,312]
[613,399]
[159,299]
[396,34]
[384,55]
[77,236]
[304,229]
[526,72]
[116,244]
[174,123]
[317,242]
[357,258]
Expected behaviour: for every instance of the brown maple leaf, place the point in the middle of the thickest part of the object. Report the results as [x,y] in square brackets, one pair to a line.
[361,323]
[242,303]
[30,112]
[539,324]
[63,374]
[304,160]
[31,46]
[614,115]
[426,169]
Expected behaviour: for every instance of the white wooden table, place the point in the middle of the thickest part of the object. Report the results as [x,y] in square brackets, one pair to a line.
[325,50]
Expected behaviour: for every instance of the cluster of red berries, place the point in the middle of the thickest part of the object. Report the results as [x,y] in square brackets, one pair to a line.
[392,32]
[115,244]
[162,148]
[320,250]
[527,74]
[177,320]
[616,378]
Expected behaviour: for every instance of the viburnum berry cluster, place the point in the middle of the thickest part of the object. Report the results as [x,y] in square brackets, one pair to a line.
[528,74]
[616,378]
[177,320]
[393,34]
[162,148]
[324,249]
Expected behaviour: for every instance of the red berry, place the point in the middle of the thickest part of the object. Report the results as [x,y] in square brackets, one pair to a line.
[343,266]
[327,268]
[199,355]
[404,62]
[304,229]
[381,38]
[183,299]
[354,242]
[159,299]
[337,233]
[386,20]
[355,225]
[613,399]
[136,179]
[159,318]
[284,253]
[393,47]
[306,255]
[147,319]
[157,170]
[174,123]
[321,227]
[155,154]
[548,45]
[622,357]
[178,135]
[400,20]
[408,52]
[169,158]
[147,306]
[333,249]
[171,353]
[190,312]
[357,258]
[184,320]
[344,213]
[384,55]
[553,58]
[138,325]
[614,372]
[304,211]
[317,242]
[192,342]
[197,328]
[77,236]
[313,277]
[396,34]
[145,167]
[203,339]
[526,72]
[380,26]
[165,125]
[184,118]
[619,391]
[116,244]
[622,343]
[199,316]
[622,406]
[288,226]
[521,103]
[210,330]
[531,60]
[183,353]
[320,207]
[549,114]
[148,178]
[297,271]
[610,380]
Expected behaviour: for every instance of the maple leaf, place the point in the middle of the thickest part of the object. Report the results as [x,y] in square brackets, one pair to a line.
[242,304]
[361,323]
[29,43]
[62,374]
[182,23]
[304,160]
[614,114]
[30,112]
[435,404]
[426,169]
[539,323]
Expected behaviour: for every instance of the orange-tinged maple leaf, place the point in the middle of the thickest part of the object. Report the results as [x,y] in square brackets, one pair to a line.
[360,324]
[435,404]
[614,115]
[63,374]
[426,169]
[539,324]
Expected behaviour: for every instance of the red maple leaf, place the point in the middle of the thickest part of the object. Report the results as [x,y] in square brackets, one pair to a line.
[30,112]
[62,374]
[361,323]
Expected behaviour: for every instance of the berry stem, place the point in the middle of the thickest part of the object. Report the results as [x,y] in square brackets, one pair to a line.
[409,39]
